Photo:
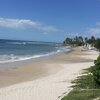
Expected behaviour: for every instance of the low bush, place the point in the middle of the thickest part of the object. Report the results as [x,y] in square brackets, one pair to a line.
[95,70]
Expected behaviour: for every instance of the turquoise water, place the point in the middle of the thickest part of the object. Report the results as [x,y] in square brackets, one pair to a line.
[11,51]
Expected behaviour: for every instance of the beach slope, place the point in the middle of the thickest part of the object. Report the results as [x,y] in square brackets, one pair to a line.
[55,85]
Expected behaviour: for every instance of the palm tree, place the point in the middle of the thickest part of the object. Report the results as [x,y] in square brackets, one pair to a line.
[97,44]
[93,40]
[86,39]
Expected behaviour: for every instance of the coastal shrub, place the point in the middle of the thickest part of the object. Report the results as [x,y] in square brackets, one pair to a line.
[95,70]
[83,88]
[97,44]
[85,94]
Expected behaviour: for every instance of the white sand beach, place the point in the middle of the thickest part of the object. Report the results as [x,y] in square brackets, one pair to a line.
[55,85]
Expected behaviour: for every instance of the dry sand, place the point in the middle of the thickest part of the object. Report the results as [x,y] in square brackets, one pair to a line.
[48,79]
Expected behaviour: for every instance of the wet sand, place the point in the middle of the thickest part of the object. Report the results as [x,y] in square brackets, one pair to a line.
[39,68]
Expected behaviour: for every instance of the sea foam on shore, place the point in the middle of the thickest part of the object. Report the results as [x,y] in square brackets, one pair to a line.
[11,50]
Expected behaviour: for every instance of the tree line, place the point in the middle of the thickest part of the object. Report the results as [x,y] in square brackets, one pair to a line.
[80,41]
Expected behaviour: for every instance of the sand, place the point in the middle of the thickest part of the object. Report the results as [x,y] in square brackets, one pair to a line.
[49,79]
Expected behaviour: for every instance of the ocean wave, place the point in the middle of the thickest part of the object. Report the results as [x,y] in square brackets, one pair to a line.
[14,58]
[19,43]
[27,42]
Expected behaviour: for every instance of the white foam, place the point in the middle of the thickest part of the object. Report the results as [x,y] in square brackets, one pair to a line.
[14,58]
[17,43]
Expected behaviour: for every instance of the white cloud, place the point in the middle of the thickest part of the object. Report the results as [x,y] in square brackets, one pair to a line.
[94,31]
[48,29]
[16,23]
[98,23]
[25,23]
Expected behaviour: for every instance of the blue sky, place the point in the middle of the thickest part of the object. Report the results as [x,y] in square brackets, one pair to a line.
[49,20]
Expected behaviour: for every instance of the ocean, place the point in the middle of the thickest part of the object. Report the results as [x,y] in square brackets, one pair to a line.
[14,50]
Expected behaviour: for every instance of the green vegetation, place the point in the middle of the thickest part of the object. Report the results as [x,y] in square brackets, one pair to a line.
[95,70]
[87,86]
[82,95]
[97,44]
[84,89]
[80,41]
[76,41]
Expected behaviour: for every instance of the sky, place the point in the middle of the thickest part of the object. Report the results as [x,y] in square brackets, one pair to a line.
[49,20]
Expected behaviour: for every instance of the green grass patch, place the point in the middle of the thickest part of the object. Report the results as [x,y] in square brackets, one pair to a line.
[84,88]
[84,82]
[83,94]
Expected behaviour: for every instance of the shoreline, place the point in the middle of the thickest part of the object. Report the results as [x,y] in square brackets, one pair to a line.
[31,60]
[19,59]
[42,78]
[18,69]
[32,70]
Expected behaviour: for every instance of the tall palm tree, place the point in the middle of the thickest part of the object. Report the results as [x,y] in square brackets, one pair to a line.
[86,39]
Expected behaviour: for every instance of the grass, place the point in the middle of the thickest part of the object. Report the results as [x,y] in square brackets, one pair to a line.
[84,89]
[83,94]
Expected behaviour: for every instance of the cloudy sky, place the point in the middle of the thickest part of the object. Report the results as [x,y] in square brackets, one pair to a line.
[49,20]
